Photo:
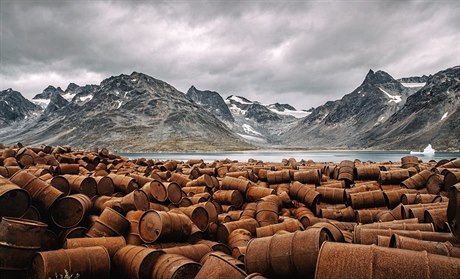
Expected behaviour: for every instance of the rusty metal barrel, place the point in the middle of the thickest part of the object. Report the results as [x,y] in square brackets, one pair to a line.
[340,260]
[393,177]
[155,190]
[370,236]
[417,181]
[267,213]
[409,161]
[255,193]
[112,244]
[308,177]
[164,226]
[82,184]
[286,255]
[105,185]
[393,198]
[69,211]
[230,197]
[432,247]
[174,192]
[193,251]
[135,261]
[88,262]
[233,183]
[135,200]
[304,194]
[288,224]
[60,182]
[41,192]
[197,214]
[109,223]
[367,199]
[217,266]
[14,201]
[225,229]
[369,172]
[125,184]
[133,237]
[171,266]
[451,178]
[20,239]
[277,177]
[453,209]
[332,195]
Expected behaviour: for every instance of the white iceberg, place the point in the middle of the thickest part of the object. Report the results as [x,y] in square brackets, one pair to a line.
[427,151]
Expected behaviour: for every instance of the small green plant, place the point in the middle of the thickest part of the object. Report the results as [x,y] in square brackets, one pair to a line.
[66,275]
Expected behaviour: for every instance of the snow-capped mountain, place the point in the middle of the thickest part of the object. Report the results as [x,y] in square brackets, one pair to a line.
[129,113]
[139,113]
[14,107]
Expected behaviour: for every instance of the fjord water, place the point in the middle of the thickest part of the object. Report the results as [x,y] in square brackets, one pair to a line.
[278,155]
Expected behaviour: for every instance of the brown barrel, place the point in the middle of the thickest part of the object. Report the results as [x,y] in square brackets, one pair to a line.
[408,224]
[133,237]
[14,201]
[229,197]
[409,161]
[346,173]
[289,225]
[308,177]
[304,194]
[393,198]
[109,223]
[41,192]
[451,178]
[218,266]
[174,192]
[249,211]
[135,200]
[69,168]
[393,177]
[415,198]
[255,193]
[418,210]
[88,262]
[60,182]
[383,241]
[125,184]
[417,181]
[7,172]
[82,184]
[215,246]
[68,212]
[366,216]
[367,199]
[453,209]
[277,177]
[193,251]
[340,260]
[180,179]
[105,185]
[112,244]
[25,157]
[233,183]
[286,255]
[225,229]
[155,190]
[432,247]
[171,266]
[346,214]
[332,195]
[369,172]
[135,261]
[22,232]
[369,236]
[267,213]
[435,184]
[76,232]
[197,214]
[164,226]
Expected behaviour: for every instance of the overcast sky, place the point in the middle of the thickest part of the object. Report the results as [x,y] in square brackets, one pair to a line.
[298,52]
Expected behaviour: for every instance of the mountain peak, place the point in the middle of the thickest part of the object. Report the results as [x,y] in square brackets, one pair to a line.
[71,87]
[378,77]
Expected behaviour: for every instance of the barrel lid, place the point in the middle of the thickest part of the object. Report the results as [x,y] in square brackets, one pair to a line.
[150,226]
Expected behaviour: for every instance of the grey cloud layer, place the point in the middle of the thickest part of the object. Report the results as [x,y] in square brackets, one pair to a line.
[303,53]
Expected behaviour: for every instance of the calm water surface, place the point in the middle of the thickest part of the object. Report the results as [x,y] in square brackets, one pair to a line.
[277,156]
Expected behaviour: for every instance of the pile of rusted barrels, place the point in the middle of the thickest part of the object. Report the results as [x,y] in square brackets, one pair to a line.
[100,215]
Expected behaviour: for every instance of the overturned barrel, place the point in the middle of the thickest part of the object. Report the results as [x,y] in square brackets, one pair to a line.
[339,260]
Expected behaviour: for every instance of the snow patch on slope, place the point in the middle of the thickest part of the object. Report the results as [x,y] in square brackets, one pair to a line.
[252,138]
[249,130]
[43,103]
[413,84]
[295,113]
[395,98]
[444,115]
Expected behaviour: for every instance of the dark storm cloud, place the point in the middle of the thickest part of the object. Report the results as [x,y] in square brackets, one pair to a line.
[299,52]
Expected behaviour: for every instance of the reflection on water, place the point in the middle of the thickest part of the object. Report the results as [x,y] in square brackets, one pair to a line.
[277,156]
